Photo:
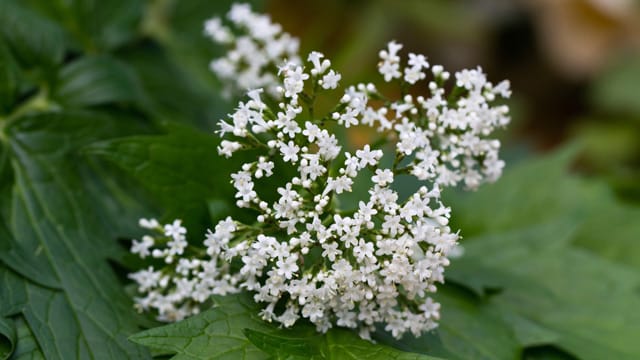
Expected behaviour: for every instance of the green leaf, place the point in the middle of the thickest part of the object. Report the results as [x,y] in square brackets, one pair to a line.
[7,337]
[530,270]
[34,39]
[109,23]
[180,168]
[13,291]
[9,78]
[186,100]
[233,330]
[467,330]
[27,347]
[540,186]
[287,345]
[335,344]
[613,231]
[552,293]
[54,226]
[213,334]
[95,26]
[97,80]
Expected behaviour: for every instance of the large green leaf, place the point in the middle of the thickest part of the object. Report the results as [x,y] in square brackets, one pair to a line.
[335,344]
[550,291]
[34,39]
[467,330]
[179,168]
[9,78]
[233,330]
[186,100]
[94,26]
[613,231]
[27,347]
[539,189]
[7,337]
[55,230]
[13,292]
[555,294]
[213,334]
[97,80]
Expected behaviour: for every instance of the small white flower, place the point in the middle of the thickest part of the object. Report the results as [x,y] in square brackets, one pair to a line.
[289,151]
[142,247]
[368,157]
[382,177]
[175,230]
[330,80]
[149,223]
[227,148]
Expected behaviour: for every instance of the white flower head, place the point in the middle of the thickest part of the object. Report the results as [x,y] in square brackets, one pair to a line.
[376,256]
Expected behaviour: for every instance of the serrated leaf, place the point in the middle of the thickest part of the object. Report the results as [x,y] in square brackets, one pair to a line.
[213,334]
[35,40]
[467,330]
[233,330]
[179,168]
[546,191]
[97,80]
[541,184]
[87,314]
[552,293]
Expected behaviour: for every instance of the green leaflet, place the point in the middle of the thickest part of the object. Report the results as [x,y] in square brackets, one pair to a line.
[556,295]
[97,80]
[7,337]
[213,334]
[27,347]
[613,231]
[335,344]
[180,169]
[35,40]
[467,330]
[9,78]
[186,100]
[549,289]
[83,311]
[539,188]
[91,25]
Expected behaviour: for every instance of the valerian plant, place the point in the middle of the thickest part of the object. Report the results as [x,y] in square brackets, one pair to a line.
[102,107]
[308,255]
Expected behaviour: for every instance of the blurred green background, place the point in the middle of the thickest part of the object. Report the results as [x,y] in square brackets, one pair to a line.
[574,65]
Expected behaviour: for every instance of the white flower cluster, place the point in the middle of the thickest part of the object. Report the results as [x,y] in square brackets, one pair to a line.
[305,257]
[259,47]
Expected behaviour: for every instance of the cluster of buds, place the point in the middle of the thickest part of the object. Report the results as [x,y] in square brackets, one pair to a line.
[374,261]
